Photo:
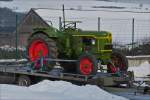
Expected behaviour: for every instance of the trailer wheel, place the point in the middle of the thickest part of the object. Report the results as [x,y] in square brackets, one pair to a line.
[40,45]
[24,80]
[119,62]
[87,65]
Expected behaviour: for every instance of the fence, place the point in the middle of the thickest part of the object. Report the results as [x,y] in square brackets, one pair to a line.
[9,48]
[131,35]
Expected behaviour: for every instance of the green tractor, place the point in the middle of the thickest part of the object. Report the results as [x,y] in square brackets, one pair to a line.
[89,49]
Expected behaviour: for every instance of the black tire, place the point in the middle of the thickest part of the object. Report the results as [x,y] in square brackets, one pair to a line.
[24,80]
[51,44]
[93,61]
[119,60]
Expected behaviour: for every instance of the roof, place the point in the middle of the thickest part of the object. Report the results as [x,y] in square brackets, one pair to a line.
[30,21]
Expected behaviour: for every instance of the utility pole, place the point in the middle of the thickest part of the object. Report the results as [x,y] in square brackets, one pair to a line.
[99,23]
[64,15]
[16,36]
[133,36]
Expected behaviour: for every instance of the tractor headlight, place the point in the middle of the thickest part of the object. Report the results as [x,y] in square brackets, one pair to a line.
[93,42]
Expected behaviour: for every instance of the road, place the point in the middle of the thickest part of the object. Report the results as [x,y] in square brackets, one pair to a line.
[130,93]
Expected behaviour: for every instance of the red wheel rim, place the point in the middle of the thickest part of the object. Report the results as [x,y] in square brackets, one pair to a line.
[37,49]
[86,66]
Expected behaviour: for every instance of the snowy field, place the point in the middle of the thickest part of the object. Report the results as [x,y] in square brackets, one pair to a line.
[55,90]
[25,5]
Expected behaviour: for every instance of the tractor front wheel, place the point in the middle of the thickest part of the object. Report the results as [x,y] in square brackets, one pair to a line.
[87,65]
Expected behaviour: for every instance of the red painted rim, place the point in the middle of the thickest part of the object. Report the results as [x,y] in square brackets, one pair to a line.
[86,66]
[37,49]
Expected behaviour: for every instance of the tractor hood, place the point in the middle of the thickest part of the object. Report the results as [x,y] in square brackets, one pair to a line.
[94,34]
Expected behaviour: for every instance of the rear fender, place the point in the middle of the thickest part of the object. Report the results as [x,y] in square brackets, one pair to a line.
[50,32]
[50,35]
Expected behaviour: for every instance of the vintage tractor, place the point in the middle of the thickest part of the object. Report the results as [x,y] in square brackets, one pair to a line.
[90,49]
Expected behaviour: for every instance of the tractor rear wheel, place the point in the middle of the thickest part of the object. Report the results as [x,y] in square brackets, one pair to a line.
[119,62]
[87,65]
[40,45]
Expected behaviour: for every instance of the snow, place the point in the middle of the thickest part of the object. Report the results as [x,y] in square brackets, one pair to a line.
[47,14]
[55,90]
[25,5]
[12,60]
[141,71]
[11,48]
[136,57]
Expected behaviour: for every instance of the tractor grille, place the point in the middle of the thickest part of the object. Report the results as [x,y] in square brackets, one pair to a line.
[108,47]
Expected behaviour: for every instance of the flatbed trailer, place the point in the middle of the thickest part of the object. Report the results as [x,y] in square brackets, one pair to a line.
[23,75]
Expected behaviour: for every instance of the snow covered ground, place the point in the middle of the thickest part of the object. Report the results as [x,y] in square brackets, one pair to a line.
[25,5]
[141,71]
[11,48]
[55,90]
[12,60]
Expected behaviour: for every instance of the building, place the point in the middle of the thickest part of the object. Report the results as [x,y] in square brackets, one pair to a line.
[30,21]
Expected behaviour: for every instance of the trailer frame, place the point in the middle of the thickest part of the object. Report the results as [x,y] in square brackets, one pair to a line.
[12,72]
